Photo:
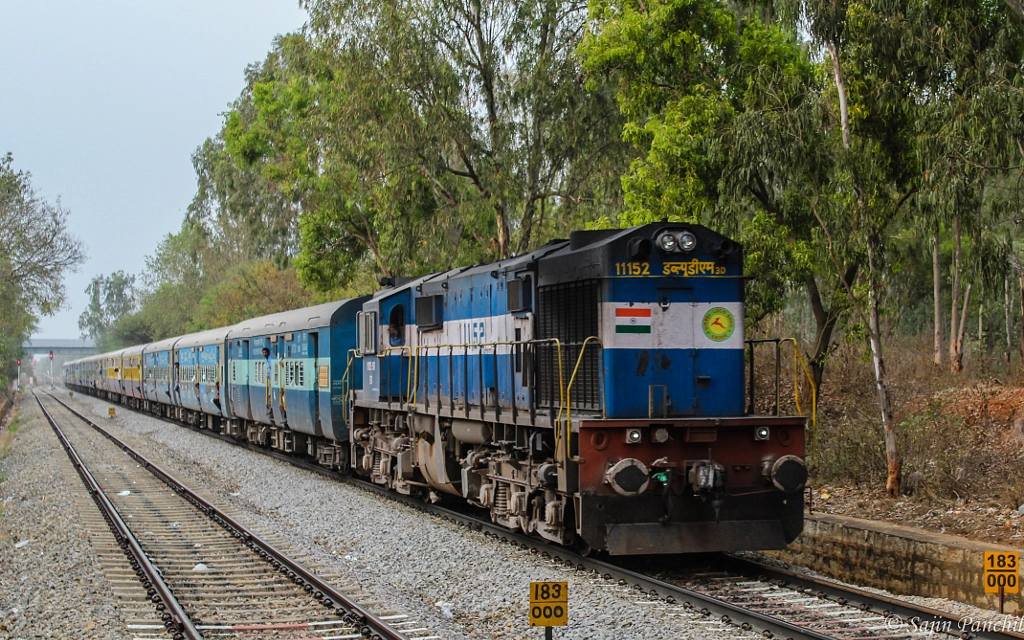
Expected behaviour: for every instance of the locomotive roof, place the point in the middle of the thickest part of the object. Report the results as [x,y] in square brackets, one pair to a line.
[296,320]
[588,253]
[510,264]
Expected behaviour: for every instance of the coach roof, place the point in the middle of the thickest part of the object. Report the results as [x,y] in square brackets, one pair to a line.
[203,338]
[298,320]
[164,345]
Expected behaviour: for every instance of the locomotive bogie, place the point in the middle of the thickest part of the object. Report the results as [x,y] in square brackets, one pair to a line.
[507,469]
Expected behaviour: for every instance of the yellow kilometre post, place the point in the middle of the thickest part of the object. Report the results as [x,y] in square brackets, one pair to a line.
[1001,573]
[111,412]
[549,605]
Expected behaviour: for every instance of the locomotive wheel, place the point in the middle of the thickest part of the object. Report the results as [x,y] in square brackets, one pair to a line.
[583,547]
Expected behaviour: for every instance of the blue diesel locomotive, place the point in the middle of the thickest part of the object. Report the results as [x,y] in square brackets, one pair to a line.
[590,392]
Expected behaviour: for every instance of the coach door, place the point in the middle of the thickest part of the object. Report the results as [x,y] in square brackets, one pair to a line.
[277,382]
[314,373]
[239,378]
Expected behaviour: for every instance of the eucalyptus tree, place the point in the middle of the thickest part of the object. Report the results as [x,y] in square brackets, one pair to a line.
[246,214]
[924,92]
[174,282]
[729,114]
[324,129]
[110,299]
[970,132]
[501,121]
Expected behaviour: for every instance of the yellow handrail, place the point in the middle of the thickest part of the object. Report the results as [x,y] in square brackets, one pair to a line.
[568,399]
[563,430]
[561,377]
[468,345]
[799,359]
[351,356]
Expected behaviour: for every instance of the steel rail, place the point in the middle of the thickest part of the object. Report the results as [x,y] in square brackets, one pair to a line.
[175,617]
[729,613]
[923,617]
[368,623]
[926,618]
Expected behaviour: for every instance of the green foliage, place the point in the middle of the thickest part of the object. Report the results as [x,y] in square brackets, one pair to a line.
[715,109]
[417,136]
[36,251]
[249,291]
[176,279]
[245,214]
[381,140]
[110,299]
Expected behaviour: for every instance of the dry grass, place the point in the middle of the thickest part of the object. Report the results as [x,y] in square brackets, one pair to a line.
[959,434]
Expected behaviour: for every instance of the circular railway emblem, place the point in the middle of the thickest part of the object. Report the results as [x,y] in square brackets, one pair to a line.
[718,324]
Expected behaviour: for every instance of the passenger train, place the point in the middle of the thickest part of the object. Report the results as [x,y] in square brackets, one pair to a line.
[590,392]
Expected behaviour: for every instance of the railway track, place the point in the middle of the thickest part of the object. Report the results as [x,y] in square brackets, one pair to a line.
[722,589]
[205,574]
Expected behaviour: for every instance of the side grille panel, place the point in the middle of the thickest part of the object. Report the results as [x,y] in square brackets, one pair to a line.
[569,312]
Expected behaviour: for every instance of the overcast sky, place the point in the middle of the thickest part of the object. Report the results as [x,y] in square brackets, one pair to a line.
[104,103]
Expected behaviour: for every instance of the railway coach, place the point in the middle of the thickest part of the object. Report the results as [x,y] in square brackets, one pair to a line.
[285,380]
[590,392]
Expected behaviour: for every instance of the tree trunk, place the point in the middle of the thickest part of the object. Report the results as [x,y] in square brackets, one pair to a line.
[825,320]
[937,293]
[1017,6]
[504,232]
[892,456]
[956,363]
[1020,344]
[981,323]
[844,112]
[1008,316]
[954,356]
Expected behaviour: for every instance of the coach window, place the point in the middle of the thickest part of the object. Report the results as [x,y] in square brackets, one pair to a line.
[396,326]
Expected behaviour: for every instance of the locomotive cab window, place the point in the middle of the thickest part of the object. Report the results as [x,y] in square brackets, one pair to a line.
[396,326]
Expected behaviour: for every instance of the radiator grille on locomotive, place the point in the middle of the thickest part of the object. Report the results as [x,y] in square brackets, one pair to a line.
[569,312]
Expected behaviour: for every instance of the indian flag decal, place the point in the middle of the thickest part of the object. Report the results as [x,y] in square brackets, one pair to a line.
[632,320]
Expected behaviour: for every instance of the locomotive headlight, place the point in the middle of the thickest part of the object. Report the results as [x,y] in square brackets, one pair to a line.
[661,435]
[761,433]
[633,436]
[667,242]
[687,241]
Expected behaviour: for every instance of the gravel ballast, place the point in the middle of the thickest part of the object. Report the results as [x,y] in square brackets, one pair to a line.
[460,583]
[51,585]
